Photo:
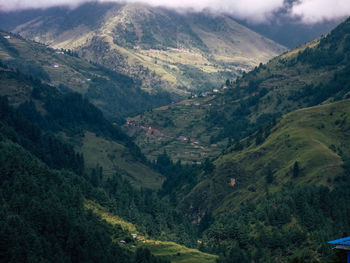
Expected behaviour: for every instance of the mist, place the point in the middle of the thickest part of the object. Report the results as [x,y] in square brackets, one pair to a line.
[257,11]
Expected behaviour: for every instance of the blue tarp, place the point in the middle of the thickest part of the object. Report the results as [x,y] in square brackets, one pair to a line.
[342,241]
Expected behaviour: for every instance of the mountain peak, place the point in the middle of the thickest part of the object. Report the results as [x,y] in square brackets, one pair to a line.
[165,50]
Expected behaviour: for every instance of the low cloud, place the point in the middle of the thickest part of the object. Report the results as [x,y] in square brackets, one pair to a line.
[313,11]
[308,11]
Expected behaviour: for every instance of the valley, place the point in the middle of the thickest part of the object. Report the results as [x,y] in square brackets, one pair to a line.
[134,133]
[233,110]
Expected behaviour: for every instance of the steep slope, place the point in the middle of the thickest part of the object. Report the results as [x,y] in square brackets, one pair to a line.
[115,94]
[315,73]
[75,120]
[164,49]
[37,202]
[282,197]
[51,205]
[315,138]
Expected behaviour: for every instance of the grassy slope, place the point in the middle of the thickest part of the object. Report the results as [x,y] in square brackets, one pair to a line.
[72,71]
[169,250]
[195,50]
[317,138]
[115,94]
[284,84]
[169,123]
[101,150]
[114,157]
[193,118]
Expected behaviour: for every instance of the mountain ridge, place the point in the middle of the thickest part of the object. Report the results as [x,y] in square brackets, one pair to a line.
[115,94]
[130,39]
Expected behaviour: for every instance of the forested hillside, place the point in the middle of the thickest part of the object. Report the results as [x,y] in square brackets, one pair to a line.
[42,211]
[279,194]
[278,190]
[75,120]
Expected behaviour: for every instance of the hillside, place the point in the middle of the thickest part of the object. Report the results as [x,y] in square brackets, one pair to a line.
[166,250]
[115,94]
[75,120]
[166,50]
[315,138]
[51,206]
[282,194]
[36,202]
[315,73]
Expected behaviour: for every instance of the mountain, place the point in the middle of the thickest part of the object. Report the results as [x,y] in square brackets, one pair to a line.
[37,202]
[54,209]
[75,120]
[166,50]
[280,198]
[115,94]
[291,32]
[314,138]
[279,190]
[315,73]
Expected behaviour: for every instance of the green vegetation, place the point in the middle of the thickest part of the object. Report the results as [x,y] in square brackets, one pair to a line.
[42,217]
[163,249]
[266,168]
[305,147]
[289,82]
[291,225]
[278,200]
[81,124]
[41,200]
[179,254]
[42,214]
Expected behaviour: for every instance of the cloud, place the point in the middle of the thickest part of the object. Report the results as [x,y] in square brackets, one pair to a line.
[313,11]
[309,11]
[256,10]
[12,5]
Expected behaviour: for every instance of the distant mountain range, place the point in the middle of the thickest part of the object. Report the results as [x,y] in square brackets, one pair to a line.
[291,32]
[164,49]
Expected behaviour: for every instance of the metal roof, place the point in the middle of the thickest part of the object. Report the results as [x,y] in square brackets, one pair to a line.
[342,241]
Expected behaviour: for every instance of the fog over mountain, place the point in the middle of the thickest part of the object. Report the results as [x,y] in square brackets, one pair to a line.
[308,11]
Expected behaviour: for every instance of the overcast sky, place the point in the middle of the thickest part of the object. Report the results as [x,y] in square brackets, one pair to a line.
[309,11]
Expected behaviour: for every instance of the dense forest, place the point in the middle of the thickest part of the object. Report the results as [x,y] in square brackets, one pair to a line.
[297,220]
[43,218]
[29,141]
